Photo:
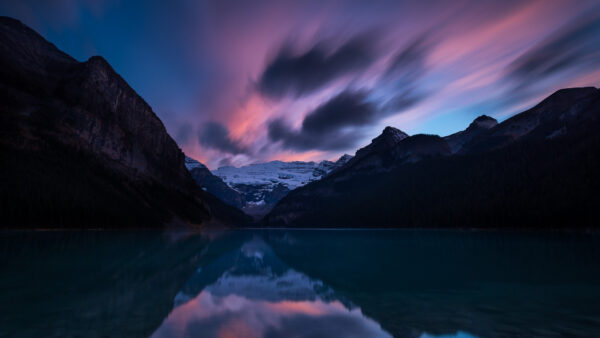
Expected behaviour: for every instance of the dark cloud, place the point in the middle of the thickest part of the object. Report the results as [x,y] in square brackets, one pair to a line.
[299,140]
[572,46]
[215,135]
[409,63]
[403,74]
[326,128]
[349,108]
[301,74]
[402,101]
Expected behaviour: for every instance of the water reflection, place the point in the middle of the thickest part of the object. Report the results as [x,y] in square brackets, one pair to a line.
[408,283]
[257,295]
[459,334]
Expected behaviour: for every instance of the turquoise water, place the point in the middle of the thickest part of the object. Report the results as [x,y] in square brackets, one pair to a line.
[303,283]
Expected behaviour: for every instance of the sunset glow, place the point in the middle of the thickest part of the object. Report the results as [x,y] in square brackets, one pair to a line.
[234,82]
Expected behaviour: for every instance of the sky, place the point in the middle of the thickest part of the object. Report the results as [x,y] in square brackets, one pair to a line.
[239,82]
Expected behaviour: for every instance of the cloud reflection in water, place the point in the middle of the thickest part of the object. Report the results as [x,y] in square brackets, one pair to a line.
[257,295]
[208,315]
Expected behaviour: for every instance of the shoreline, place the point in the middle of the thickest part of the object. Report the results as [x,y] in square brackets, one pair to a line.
[437,229]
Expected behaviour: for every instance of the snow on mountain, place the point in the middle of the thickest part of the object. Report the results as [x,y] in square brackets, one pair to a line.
[265,177]
[258,187]
[290,174]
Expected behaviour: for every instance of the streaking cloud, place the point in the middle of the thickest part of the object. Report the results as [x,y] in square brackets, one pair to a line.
[238,82]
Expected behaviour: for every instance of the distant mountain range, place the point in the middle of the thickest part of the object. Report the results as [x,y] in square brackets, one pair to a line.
[538,168]
[79,148]
[256,188]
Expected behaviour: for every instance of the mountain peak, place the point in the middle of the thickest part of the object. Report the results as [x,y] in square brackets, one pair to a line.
[98,66]
[383,143]
[392,130]
[110,144]
[99,60]
[25,49]
[391,135]
[484,118]
[483,122]
[343,159]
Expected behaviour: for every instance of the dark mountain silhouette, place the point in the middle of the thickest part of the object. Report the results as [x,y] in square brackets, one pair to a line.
[478,126]
[379,153]
[555,115]
[79,147]
[390,149]
[214,184]
[536,169]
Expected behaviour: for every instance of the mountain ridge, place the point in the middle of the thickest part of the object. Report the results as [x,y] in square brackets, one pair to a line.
[214,184]
[504,181]
[82,149]
[521,124]
[255,188]
[457,140]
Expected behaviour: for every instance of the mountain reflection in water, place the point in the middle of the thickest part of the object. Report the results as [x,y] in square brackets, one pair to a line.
[257,295]
[309,283]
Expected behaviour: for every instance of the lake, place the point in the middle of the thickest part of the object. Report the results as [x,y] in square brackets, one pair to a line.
[302,283]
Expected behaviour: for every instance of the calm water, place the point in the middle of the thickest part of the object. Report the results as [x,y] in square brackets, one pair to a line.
[303,283]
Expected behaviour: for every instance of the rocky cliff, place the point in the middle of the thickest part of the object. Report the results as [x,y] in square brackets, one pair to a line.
[213,184]
[80,148]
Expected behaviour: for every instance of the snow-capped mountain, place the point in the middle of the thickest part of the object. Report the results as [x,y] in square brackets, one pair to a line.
[289,174]
[264,184]
[256,188]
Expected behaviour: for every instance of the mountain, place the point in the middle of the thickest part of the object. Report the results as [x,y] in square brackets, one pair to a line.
[563,110]
[378,154]
[390,149]
[262,185]
[190,164]
[213,184]
[80,148]
[535,169]
[478,126]
[326,167]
